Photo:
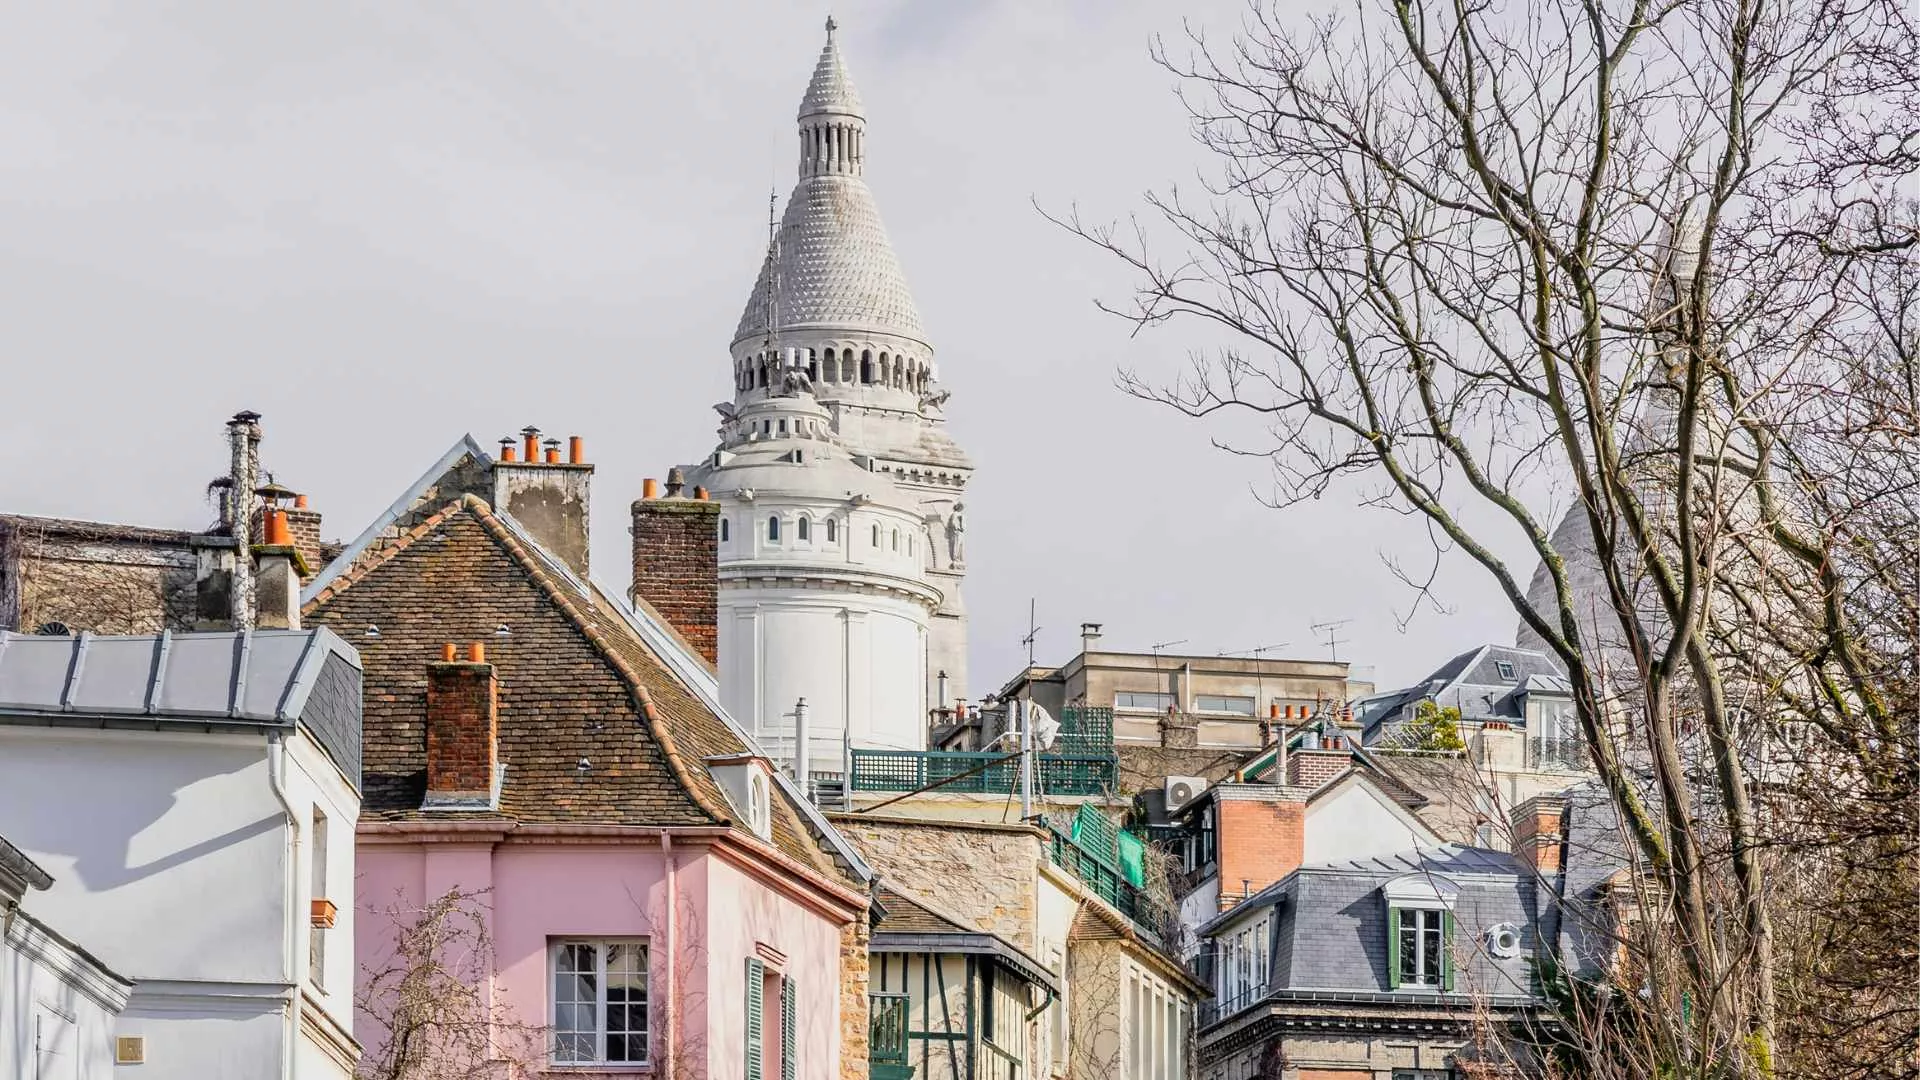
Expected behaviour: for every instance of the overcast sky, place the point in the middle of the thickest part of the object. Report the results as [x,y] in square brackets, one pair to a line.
[385,225]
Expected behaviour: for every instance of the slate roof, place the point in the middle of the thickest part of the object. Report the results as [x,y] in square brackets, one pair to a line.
[1473,683]
[1330,922]
[582,675]
[258,678]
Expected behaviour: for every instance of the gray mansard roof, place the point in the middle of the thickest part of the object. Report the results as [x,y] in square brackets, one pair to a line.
[1329,927]
[1475,683]
[256,679]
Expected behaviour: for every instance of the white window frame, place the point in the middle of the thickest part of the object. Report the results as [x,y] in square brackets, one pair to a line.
[599,1060]
[1160,695]
[1200,704]
[1154,1015]
[1418,977]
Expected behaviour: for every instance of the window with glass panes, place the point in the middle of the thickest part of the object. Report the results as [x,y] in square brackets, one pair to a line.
[1417,947]
[599,1002]
[1239,706]
[1133,699]
[1155,1019]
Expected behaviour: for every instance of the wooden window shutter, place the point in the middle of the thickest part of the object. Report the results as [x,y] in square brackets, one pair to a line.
[789,1024]
[1393,948]
[1446,951]
[756,1044]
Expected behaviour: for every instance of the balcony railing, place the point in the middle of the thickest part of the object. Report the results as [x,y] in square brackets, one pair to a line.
[1220,1008]
[1140,908]
[1563,754]
[887,1029]
[975,773]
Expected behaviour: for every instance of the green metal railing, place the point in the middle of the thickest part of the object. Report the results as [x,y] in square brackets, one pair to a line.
[887,1029]
[1140,908]
[973,773]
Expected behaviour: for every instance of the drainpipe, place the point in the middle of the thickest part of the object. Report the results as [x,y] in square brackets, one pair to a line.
[276,779]
[668,1046]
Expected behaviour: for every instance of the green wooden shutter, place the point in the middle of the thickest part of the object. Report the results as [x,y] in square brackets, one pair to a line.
[789,1053]
[1446,951]
[1393,947]
[756,1045]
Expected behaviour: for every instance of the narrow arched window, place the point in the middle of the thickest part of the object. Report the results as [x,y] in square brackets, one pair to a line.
[773,528]
[866,368]
[723,530]
[804,530]
[833,531]
[876,536]
[910,544]
[896,539]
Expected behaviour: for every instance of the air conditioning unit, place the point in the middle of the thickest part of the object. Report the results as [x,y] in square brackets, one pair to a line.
[1182,790]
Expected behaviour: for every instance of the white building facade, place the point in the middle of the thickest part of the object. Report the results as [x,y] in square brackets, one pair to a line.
[57,1011]
[842,544]
[193,798]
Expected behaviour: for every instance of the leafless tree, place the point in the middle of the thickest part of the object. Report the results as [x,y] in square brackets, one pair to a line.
[433,999]
[1456,255]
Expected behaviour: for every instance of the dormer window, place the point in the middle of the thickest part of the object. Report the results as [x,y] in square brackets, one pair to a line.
[1420,932]
[1504,667]
[759,805]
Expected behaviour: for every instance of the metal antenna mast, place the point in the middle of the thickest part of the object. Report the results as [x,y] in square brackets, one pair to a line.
[1330,629]
[1026,714]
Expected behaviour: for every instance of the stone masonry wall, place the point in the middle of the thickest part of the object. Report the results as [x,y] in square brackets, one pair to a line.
[984,875]
[855,968]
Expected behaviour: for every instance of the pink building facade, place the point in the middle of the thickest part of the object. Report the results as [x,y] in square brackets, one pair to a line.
[549,771]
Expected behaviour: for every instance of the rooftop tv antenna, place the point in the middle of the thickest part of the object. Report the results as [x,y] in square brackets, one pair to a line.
[1330,629]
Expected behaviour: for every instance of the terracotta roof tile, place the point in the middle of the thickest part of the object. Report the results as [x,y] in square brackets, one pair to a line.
[576,684]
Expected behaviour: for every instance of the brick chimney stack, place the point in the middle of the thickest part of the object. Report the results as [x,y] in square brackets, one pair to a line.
[549,497]
[1261,838]
[463,732]
[1538,840]
[676,561]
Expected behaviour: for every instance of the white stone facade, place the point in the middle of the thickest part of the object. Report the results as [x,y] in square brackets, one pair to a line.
[836,430]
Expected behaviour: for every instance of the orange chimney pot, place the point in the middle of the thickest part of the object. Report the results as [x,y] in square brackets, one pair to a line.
[532,446]
[700,493]
[506,453]
[649,488]
[299,502]
[476,652]
[553,455]
[278,534]
[446,652]
[576,452]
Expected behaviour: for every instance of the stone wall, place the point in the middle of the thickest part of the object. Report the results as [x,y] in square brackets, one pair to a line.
[103,579]
[855,968]
[985,875]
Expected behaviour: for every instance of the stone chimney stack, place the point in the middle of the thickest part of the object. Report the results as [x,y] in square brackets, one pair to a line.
[1324,757]
[676,561]
[549,497]
[463,732]
[304,524]
[243,475]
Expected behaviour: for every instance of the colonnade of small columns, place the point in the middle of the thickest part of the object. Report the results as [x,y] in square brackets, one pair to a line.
[839,367]
[832,147]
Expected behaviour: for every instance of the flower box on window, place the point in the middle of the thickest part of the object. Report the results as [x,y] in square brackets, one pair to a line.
[323,913]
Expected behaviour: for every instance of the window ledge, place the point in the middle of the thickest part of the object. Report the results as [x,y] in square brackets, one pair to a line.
[638,1068]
